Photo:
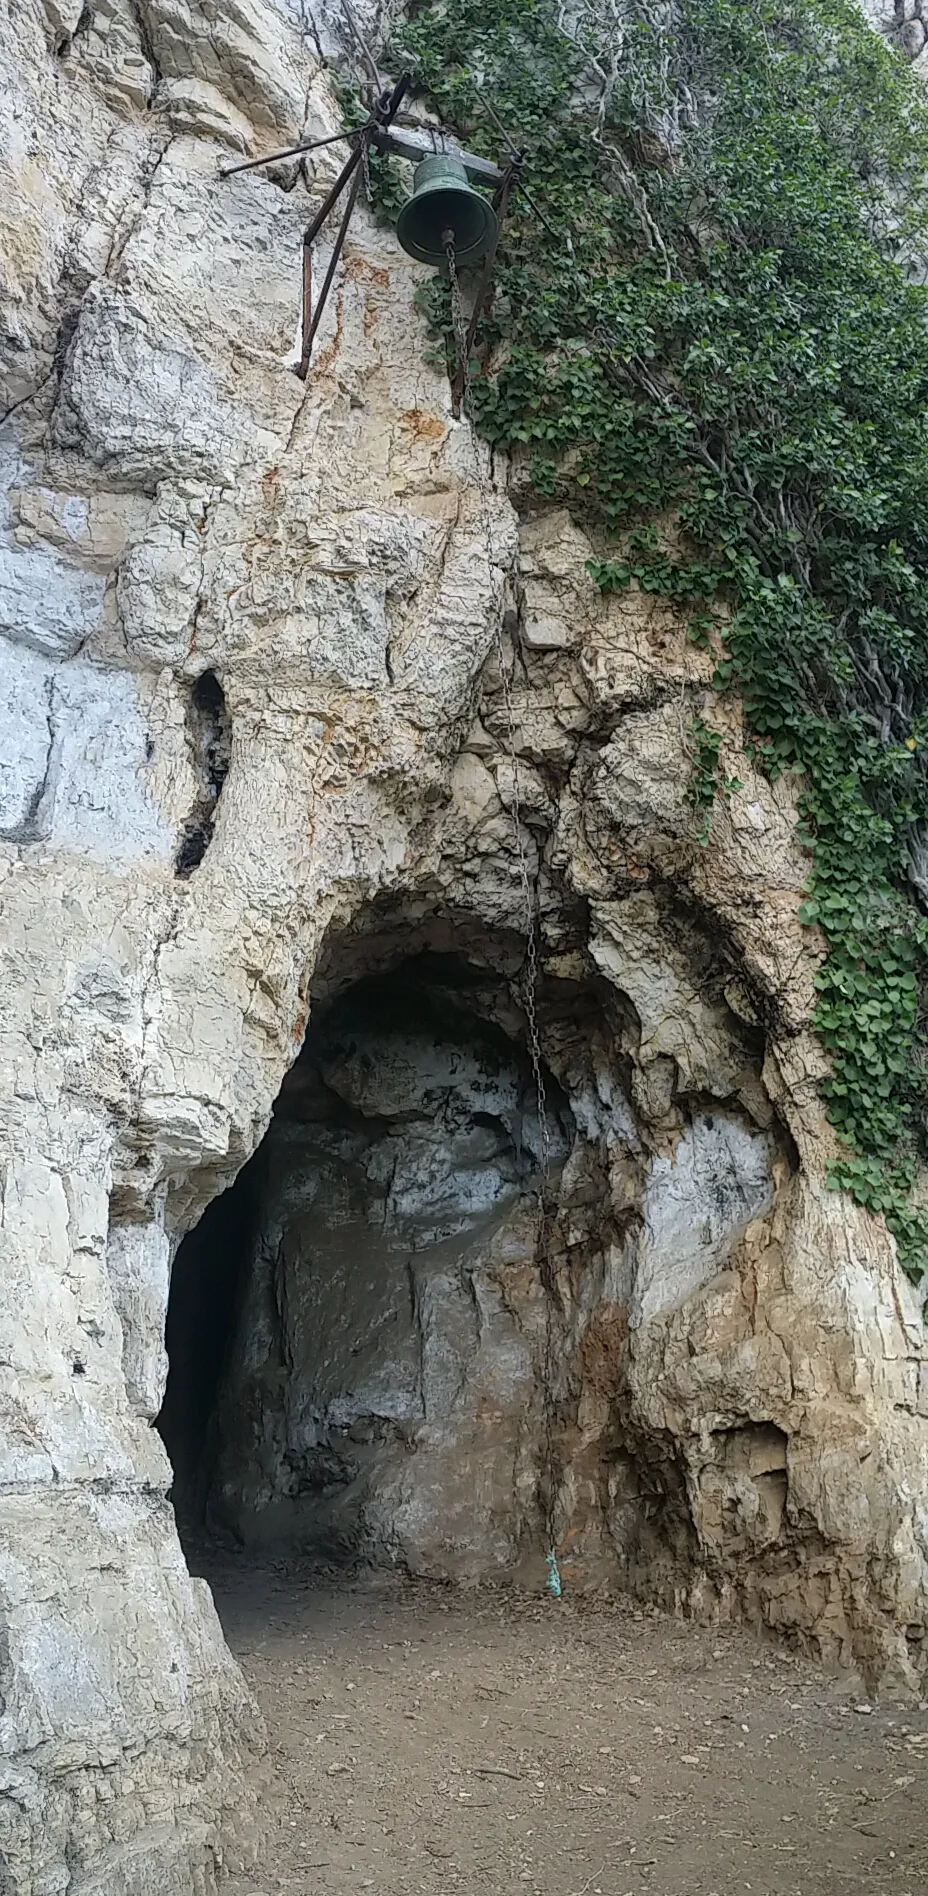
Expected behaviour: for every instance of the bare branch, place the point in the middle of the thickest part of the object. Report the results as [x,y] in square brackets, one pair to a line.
[363,48]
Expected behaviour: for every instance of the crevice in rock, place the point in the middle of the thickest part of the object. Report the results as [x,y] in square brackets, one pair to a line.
[309,33]
[65,332]
[65,40]
[140,15]
[29,828]
[127,228]
[209,734]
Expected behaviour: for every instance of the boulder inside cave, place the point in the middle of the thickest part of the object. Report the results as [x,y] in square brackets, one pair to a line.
[356,1330]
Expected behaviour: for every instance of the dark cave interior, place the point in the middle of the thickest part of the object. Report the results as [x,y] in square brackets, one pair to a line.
[404,1135]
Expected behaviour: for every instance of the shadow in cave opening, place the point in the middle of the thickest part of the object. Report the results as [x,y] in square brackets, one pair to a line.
[348,1375]
[203,1307]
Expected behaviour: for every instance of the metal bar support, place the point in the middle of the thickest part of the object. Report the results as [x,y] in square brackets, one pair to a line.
[309,331]
[290,151]
[386,109]
[309,236]
[414,143]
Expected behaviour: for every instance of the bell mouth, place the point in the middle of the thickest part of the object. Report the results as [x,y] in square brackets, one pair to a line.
[437,208]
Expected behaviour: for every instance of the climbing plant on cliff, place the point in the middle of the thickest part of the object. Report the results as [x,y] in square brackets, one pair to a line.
[714,319]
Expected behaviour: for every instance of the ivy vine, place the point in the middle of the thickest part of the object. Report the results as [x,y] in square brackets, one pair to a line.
[719,323]
[708,781]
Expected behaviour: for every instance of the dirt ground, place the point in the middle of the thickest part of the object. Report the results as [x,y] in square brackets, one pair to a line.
[426,1741]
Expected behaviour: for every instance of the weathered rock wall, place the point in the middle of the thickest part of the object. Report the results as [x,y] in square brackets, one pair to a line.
[742,1399]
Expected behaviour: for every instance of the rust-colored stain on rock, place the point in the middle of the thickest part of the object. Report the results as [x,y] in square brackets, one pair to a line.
[423,426]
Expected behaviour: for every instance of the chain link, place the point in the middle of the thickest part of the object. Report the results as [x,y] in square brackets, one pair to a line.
[366,169]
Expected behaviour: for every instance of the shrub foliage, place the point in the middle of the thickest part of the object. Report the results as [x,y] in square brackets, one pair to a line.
[714,316]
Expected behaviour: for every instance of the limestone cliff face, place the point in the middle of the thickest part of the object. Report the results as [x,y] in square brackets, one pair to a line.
[254,743]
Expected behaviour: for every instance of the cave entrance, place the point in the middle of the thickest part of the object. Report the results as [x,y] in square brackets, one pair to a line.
[356,1327]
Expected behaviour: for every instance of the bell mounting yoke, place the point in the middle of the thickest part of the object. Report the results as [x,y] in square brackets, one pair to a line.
[443,200]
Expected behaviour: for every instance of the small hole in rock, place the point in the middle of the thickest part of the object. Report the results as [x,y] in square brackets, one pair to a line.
[65,40]
[209,734]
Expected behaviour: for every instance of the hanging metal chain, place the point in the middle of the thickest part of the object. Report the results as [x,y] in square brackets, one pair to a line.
[530,978]
[529,987]
[459,327]
[366,169]
[529,983]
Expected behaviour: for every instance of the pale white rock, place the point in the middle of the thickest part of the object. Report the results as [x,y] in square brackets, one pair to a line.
[47,602]
[62,15]
[141,405]
[474,789]
[557,593]
[629,807]
[323,120]
[160,578]
[62,519]
[341,557]
[138,1262]
[695,1205]
[117,179]
[193,106]
[94,797]
[544,628]
[247,49]
[25,735]
[114,51]
[629,944]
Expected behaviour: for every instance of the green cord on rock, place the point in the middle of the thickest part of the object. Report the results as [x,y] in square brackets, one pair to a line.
[729,341]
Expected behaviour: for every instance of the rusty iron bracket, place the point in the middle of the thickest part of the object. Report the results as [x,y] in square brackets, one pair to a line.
[289,151]
[349,178]
[383,114]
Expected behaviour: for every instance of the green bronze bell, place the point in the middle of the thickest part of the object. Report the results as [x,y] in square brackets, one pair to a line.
[443,201]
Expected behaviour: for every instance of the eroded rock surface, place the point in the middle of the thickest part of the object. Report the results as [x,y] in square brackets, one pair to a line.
[738,1380]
